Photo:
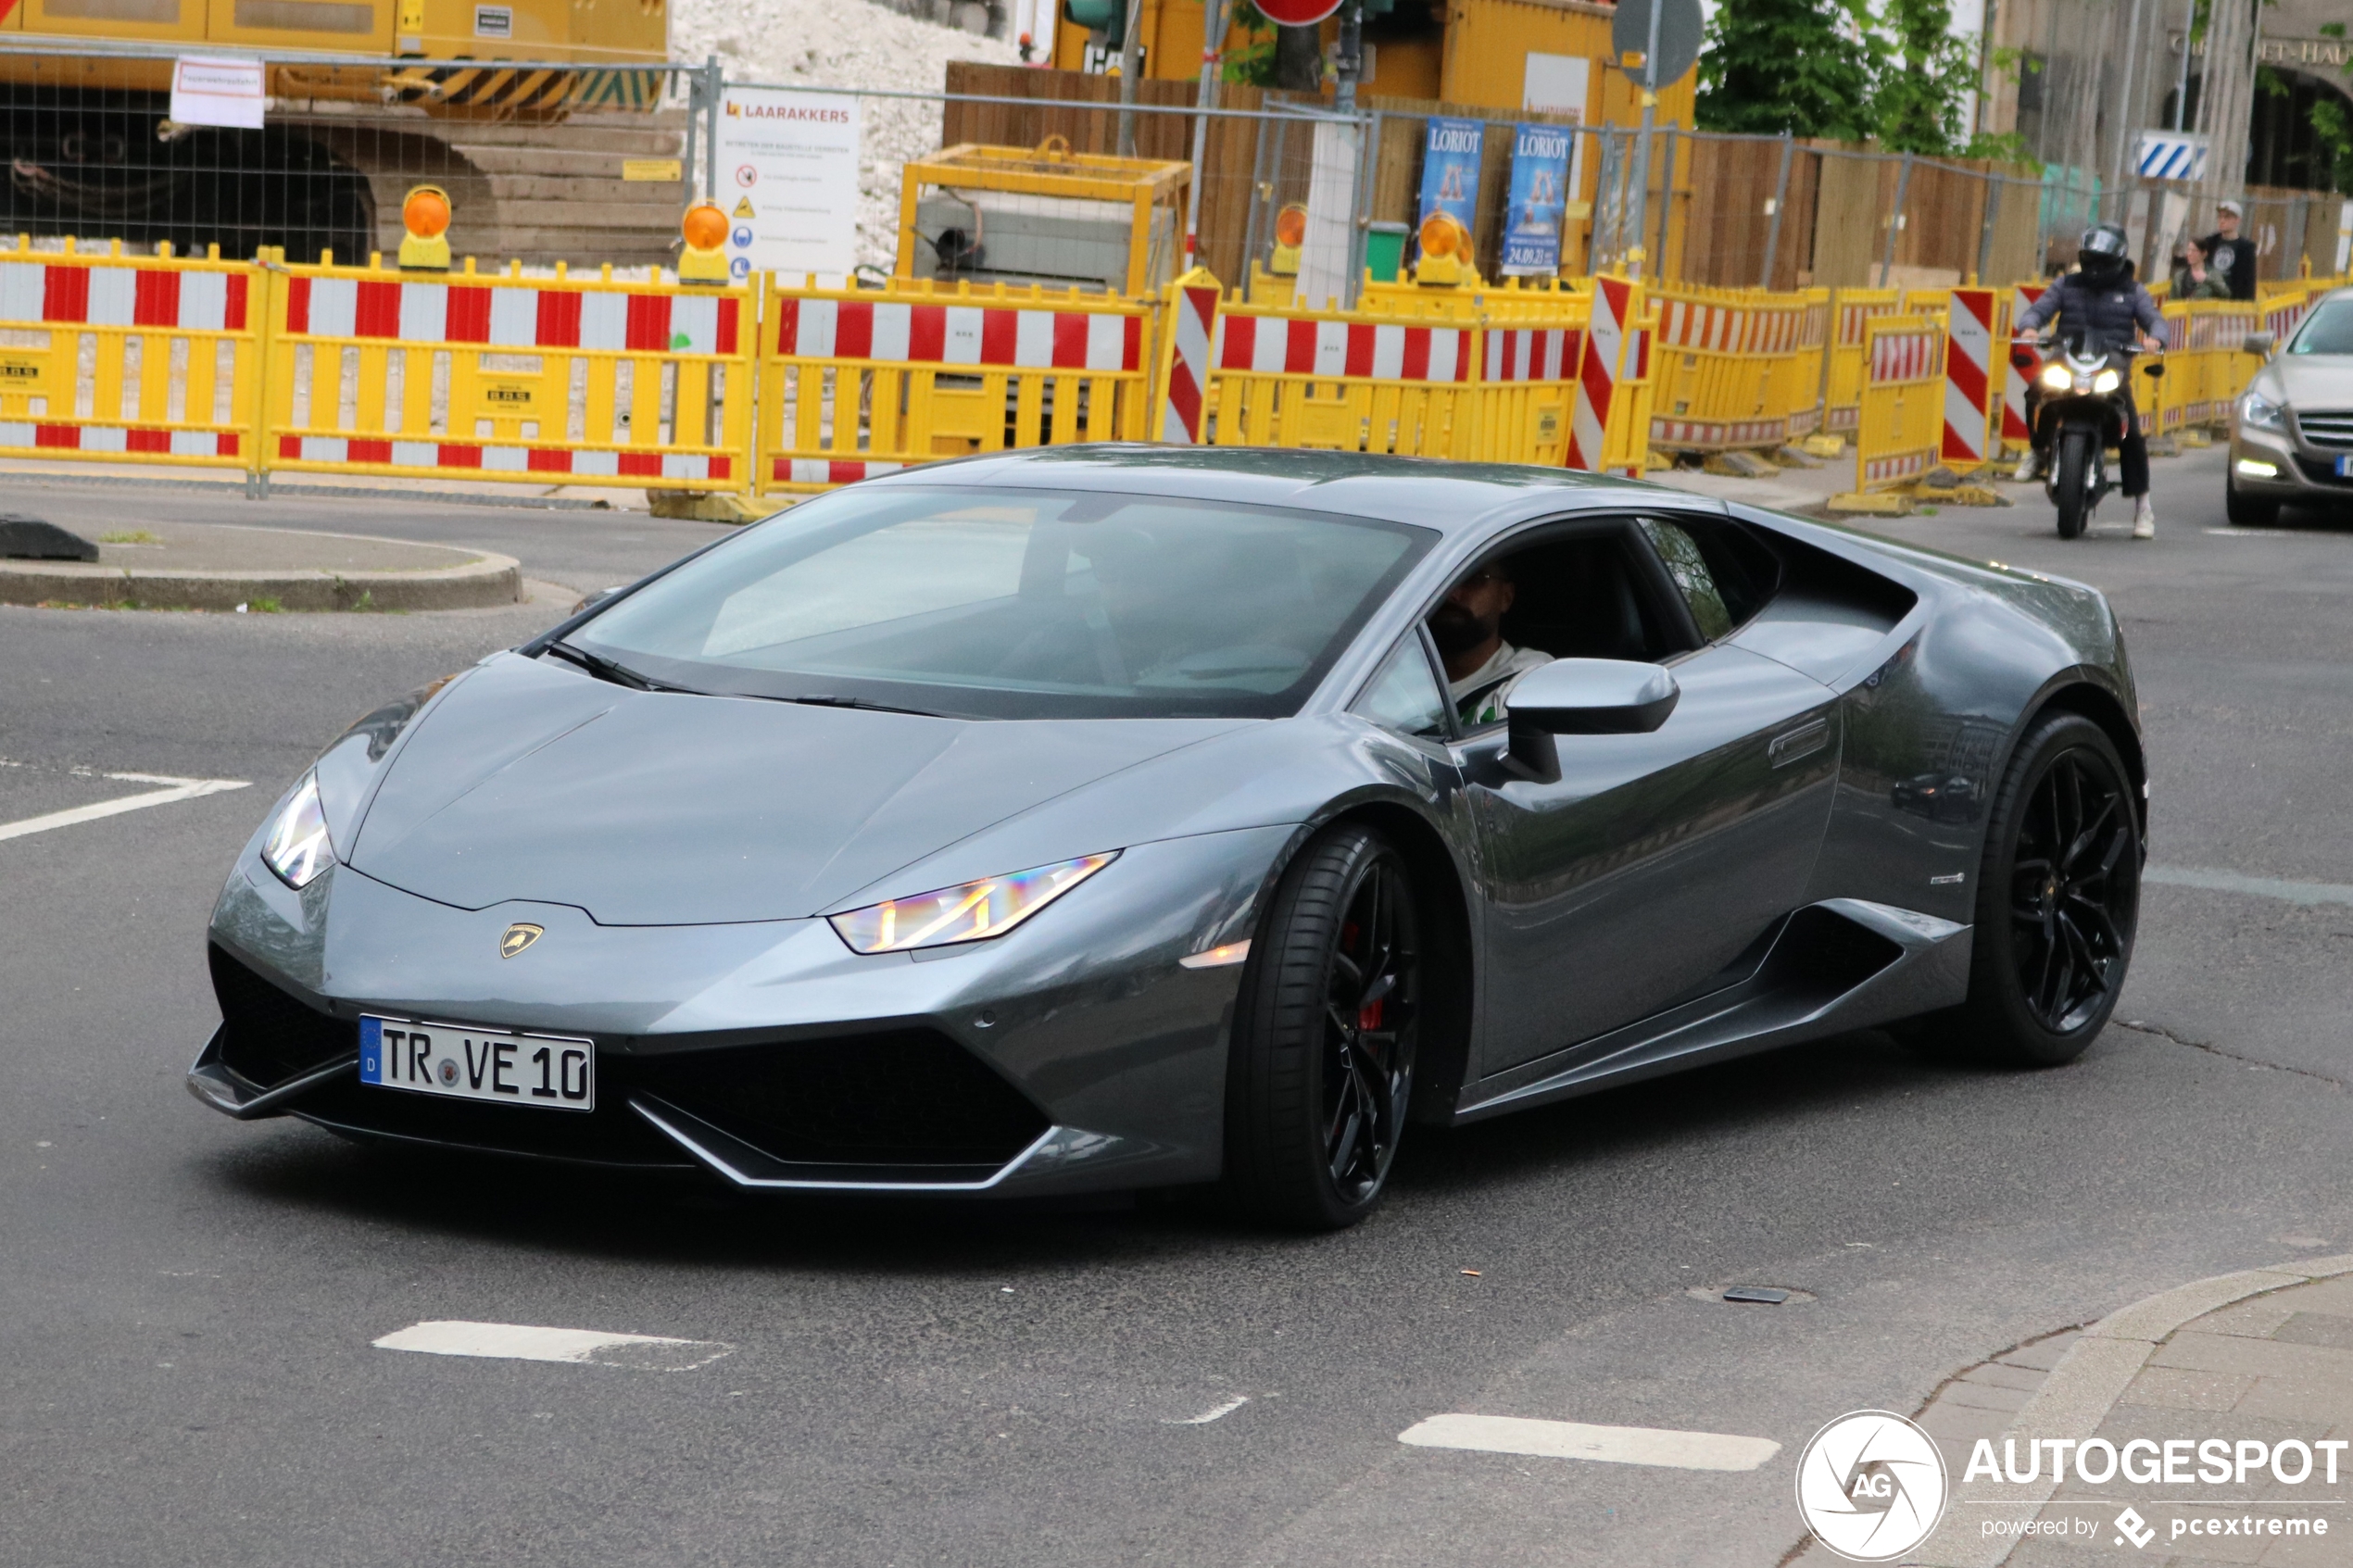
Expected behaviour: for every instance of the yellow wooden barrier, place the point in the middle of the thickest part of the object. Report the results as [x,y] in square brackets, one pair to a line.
[859,382]
[138,359]
[468,375]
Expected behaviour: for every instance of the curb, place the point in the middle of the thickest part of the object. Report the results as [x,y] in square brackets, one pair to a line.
[492,579]
[2088,1380]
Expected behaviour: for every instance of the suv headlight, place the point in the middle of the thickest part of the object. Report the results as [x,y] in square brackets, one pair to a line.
[297,848]
[971,911]
[2262,413]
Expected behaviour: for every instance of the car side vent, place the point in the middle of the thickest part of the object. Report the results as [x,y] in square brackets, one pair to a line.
[272,1035]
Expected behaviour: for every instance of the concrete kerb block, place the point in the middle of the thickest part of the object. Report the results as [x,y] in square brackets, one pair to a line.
[1739,465]
[2086,1385]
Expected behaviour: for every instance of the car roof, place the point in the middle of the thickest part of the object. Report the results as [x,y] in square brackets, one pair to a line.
[1451,498]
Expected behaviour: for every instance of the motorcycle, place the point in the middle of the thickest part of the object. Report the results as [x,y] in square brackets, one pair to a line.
[2082,394]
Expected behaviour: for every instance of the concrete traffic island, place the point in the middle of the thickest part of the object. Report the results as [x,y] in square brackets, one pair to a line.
[226,567]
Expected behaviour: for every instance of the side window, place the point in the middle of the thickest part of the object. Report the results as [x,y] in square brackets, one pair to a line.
[1405,697]
[1723,574]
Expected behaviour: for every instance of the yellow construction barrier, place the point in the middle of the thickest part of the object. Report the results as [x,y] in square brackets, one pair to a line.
[1900,408]
[116,359]
[468,375]
[859,382]
[1851,311]
[1343,380]
[1726,368]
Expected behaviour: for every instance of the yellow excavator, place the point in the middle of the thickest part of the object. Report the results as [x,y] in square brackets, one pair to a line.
[542,165]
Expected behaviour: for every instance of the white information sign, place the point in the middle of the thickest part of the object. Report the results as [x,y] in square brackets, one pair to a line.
[214,92]
[788,178]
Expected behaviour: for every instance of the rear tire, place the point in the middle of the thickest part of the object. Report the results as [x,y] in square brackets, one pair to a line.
[2245,511]
[2074,467]
[2058,903]
[1325,1030]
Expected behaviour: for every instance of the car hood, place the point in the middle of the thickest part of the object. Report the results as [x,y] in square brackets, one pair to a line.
[2314,381]
[529,780]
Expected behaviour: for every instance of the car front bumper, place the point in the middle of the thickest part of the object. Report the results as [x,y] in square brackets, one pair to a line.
[1075,1053]
[2297,472]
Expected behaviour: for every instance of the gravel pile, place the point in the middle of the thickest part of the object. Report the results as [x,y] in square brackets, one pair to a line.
[843,43]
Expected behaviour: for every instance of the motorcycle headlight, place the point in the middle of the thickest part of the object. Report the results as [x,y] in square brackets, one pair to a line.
[971,911]
[2055,377]
[297,848]
[2107,380]
[2262,413]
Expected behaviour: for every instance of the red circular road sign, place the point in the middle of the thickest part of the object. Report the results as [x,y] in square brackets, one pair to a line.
[1296,13]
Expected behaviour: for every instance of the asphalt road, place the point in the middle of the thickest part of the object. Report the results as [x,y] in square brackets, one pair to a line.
[187,1304]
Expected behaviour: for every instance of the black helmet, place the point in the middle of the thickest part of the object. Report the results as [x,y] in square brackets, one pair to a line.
[2103,251]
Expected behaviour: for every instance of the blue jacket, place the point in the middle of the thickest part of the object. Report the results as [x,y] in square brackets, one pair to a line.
[2112,310]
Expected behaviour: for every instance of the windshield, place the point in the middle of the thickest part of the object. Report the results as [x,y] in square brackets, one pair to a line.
[2328,329]
[1016,604]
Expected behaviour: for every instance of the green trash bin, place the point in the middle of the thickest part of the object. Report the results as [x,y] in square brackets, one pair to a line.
[1385,251]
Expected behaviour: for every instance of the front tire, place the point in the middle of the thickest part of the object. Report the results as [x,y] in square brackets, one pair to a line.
[2245,511]
[1325,1032]
[2058,902]
[2070,489]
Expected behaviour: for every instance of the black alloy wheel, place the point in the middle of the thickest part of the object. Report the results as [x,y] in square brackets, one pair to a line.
[1325,1032]
[2058,901]
[2071,487]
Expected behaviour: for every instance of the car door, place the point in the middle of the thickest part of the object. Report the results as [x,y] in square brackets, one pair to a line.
[1651,870]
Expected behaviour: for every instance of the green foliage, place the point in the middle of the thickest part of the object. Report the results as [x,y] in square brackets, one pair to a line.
[1252,65]
[2333,133]
[1924,78]
[1803,67]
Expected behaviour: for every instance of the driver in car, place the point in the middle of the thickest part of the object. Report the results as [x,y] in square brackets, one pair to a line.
[2101,298]
[1468,626]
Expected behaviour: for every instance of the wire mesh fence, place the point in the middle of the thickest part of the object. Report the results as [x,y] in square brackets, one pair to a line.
[587,165]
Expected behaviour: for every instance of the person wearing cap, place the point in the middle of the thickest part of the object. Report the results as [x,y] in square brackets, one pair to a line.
[2229,256]
[2101,299]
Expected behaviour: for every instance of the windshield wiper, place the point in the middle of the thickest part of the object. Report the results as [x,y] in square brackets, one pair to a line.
[605,669]
[826,699]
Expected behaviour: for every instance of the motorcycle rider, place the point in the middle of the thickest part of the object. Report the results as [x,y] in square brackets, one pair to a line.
[2103,298]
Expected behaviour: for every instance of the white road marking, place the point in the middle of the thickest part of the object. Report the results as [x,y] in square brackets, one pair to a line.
[1228,1407]
[1574,1440]
[2258,886]
[180,789]
[514,1341]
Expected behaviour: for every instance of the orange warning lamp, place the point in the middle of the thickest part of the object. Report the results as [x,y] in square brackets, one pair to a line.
[425,217]
[1290,232]
[705,230]
[1445,259]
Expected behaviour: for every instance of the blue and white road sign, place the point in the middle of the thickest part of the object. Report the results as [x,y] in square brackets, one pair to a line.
[2170,154]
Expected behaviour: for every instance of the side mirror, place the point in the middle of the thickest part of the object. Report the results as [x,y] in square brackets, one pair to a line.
[1583,697]
[2260,344]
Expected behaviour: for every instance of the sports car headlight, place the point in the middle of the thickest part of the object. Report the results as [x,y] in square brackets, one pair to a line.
[297,848]
[2262,413]
[2107,380]
[970,912]
[2055,377]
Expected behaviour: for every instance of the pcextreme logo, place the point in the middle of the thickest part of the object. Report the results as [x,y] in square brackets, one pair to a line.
[1871,1486]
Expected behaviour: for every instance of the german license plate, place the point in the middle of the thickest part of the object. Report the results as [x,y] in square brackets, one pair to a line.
[2345,466]
[456,1061]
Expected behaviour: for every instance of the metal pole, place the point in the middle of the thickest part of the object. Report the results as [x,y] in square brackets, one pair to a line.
[713,88]
[2182,84]
[1895,220]
[1643,149]
[1259,188]
[2122,161]
[1666,205]
[1608,203]
[693,126]
[1360,219]
[1205,98]
[1348,55]
[1131,60]
[1780,199]
[1994,183]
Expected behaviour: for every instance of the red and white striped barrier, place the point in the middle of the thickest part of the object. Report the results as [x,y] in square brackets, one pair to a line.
[2016,435]
[1532,354]
[1598,372]
[960,335]
[1969,359]
[1271,345]
[1192,330]
[104,439]
[1900,357]
[100,295]
[483,458]
[511,316]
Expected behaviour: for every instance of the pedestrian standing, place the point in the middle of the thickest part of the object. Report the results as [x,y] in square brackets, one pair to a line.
[2194,279]
[2229,255]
